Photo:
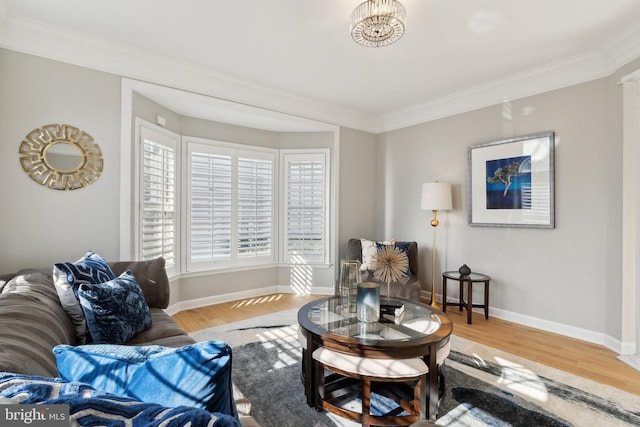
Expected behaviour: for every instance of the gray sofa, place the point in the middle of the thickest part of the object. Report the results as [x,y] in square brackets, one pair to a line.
[32,321]
[408,288]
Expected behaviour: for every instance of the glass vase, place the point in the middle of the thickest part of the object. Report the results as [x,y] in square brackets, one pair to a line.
[350,276]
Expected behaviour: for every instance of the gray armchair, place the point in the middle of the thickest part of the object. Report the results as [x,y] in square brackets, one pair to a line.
[408,287]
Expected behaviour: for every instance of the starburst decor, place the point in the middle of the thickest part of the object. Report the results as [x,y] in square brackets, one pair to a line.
[390,265]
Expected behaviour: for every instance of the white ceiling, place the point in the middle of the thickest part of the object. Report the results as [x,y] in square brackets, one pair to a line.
[298,54]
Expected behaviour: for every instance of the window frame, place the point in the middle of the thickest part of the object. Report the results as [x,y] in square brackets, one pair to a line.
[172,140]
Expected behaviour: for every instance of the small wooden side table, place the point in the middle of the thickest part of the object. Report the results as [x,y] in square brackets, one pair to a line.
[469,280]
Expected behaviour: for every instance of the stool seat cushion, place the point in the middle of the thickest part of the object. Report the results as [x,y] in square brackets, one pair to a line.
[370,367]
[443,353]
[302,339]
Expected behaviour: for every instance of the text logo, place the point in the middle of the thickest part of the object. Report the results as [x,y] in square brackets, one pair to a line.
[34,415]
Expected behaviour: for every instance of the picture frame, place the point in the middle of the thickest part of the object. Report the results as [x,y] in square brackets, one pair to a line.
[511,182]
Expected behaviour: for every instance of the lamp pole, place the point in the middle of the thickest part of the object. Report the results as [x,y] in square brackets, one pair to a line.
[434,224]
[435,196]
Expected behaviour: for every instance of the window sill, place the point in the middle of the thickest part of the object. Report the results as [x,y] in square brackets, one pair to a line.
[235,269]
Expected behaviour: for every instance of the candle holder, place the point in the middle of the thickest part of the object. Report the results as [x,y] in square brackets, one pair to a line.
[368,302]
[350,276]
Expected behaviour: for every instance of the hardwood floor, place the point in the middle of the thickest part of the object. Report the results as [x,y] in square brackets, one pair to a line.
[567,354]
[219,314]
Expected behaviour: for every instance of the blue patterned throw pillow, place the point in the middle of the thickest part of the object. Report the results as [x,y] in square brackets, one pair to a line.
[67,276]
[91,407]
[196,375]
[115,310]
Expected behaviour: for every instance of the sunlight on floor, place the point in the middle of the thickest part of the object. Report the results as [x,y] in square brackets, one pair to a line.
[517,378]
[285,340]
[341,422]
[522,380]
[479,361]
[301,276]
[457,417]
[257,300]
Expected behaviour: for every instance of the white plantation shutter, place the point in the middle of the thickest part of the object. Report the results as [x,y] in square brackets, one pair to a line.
[158,198]
[211,204]
[255,207]
[306,206]
[230,215]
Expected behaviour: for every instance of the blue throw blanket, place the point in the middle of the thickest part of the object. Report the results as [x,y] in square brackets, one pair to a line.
[90,407]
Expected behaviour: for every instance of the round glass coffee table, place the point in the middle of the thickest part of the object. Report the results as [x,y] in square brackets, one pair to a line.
[419,332]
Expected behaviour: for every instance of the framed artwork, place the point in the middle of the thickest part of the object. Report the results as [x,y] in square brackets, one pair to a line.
[511,182]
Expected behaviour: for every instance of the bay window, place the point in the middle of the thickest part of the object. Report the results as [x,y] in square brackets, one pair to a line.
[207,205]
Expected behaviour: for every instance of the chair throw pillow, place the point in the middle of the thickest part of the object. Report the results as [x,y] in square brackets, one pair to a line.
[115,310]
[369,251]
[197,375]
[67,276]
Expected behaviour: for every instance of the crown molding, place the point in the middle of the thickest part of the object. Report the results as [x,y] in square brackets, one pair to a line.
[553,76]
[624,46]
[60,44]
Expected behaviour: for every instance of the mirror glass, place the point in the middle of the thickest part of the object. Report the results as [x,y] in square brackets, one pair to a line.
[63,156]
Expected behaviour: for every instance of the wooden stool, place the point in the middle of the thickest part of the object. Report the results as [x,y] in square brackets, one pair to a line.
[353,376]
[394,376]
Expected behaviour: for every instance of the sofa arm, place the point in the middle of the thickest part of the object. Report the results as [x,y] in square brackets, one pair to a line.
[152,278]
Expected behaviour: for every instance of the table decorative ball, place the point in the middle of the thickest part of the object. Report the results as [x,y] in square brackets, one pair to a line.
[464,270]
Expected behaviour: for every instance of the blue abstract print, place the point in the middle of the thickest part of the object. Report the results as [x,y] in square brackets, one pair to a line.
[509,183]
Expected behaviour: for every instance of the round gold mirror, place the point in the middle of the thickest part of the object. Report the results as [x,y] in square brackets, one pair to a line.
[61,157]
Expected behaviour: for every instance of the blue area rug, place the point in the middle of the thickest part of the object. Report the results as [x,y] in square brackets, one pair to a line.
[268,373]
[485,387]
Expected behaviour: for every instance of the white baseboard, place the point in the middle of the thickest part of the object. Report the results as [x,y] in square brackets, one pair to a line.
[628,348]
[235,296]
[558,328]
[521,319]
[633,360]
[546,325]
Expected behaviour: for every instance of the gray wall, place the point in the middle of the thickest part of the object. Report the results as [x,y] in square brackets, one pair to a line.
[569,275]
[40,226]
[358,196]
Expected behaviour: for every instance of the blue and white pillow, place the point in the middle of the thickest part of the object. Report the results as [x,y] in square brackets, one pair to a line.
[196,375]
[91,407]
[67,276]
[369,252]
[115,310]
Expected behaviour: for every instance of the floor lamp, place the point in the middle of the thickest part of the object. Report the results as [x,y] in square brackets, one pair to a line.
[436,196]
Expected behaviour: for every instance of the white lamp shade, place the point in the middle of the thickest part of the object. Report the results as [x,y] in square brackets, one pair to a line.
[436,196]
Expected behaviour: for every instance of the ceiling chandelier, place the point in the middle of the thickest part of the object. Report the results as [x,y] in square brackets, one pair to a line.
[378,23]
